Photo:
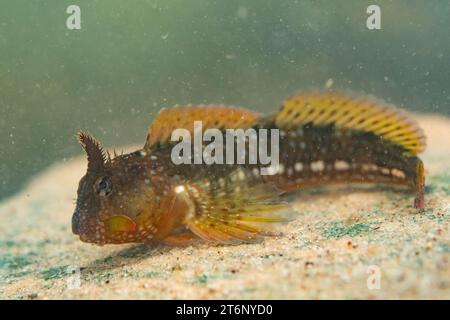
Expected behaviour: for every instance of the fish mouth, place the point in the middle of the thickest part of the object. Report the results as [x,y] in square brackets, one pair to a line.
[75,223]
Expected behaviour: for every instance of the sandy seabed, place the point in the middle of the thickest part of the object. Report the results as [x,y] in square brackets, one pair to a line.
[345,244]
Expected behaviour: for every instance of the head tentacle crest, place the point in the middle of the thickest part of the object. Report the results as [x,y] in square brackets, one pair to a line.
[96,156]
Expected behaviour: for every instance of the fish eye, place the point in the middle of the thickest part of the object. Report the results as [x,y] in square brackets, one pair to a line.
[103,186]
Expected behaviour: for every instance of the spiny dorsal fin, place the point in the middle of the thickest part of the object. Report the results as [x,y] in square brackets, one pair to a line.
[345,111]
[212,116]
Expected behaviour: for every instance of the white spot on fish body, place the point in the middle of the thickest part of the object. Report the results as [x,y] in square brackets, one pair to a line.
[298,166]
[179,189]
[341,165]
[317,166]
[398,173]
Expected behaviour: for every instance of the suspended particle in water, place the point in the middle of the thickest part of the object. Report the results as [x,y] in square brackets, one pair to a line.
[242,12]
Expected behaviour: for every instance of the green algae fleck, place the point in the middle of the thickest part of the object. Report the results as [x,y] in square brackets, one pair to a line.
[54,273]
[202,279]
[339,230]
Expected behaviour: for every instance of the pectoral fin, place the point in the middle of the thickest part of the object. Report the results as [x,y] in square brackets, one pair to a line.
[236,211]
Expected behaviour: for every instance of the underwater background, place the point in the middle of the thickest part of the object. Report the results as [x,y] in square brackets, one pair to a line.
[132,58]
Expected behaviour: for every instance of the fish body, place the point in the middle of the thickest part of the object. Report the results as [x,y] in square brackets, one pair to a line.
[325,137]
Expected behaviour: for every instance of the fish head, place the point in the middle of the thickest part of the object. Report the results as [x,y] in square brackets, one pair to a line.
[113,202]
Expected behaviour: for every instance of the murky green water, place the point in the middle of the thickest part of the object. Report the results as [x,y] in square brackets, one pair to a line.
[132,58]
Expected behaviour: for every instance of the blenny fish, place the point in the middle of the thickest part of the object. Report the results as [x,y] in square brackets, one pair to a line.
[325,137]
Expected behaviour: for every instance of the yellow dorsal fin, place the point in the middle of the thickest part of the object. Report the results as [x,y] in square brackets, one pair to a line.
[212,116]
[345,111]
